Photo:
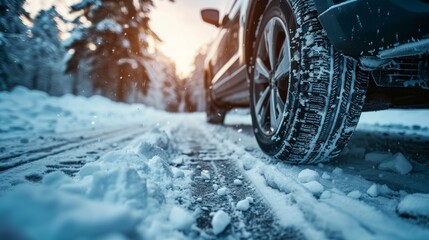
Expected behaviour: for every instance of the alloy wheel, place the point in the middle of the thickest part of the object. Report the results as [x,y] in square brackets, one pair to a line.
[271,76]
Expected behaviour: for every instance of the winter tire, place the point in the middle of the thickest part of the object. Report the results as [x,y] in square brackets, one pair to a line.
[215,114]
[306,98]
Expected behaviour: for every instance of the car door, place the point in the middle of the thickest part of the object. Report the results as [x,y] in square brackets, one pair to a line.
[222,56]
[227,61]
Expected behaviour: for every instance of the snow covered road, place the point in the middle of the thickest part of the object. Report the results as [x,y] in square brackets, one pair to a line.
[143,174]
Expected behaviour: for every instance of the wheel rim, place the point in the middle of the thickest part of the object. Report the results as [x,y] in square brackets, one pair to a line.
[271,76]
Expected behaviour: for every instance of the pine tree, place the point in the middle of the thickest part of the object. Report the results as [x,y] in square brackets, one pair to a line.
[194,90]
[13,41]
[47,50]
[114,44]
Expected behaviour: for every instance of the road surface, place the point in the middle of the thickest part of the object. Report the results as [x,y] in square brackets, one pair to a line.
[223,166]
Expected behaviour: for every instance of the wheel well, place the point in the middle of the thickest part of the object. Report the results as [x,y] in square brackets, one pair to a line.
[255,12]
[207,77]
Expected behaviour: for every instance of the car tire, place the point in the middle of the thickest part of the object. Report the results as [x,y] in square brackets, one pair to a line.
[315,94]
[215,113]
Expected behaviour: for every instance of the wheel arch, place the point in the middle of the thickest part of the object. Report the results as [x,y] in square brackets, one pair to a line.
[255,11]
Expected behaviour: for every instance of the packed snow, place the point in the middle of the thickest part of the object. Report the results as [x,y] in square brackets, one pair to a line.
[29,112]
[308,175]
[144,189]
[415,205]
[128,191]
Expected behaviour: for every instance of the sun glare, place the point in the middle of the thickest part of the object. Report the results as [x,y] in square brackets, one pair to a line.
[183,32]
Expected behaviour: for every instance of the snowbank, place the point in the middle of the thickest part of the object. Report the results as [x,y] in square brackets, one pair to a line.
[128,193]
[29,111]
[408,121]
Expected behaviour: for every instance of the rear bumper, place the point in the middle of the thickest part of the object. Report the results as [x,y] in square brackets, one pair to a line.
[365,27]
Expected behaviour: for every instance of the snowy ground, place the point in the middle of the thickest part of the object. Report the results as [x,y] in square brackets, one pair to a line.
[77,168]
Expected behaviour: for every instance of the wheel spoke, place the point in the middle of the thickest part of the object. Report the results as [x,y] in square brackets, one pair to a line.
[280,104]
[259,108]
[273,111]
[284,66]
[270,44]
[263,115]
[262,69]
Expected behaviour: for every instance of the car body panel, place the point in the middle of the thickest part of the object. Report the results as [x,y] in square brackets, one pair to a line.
[225,65]
[225,61]
[365,27]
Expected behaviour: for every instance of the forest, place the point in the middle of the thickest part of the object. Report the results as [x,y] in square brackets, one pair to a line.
[106,48]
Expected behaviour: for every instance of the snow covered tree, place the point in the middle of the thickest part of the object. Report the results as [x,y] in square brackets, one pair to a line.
[13,41]
[163,92]
[113,44]
[194,91]
[11,12]
[47,50]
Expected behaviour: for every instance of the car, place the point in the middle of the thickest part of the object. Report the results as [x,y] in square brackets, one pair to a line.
[308,68]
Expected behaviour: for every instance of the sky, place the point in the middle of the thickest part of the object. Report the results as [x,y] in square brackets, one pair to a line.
[182,30]
[178,24]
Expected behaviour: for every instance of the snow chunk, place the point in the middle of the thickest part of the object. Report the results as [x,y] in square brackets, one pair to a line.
[308,175]
[326,176]
[56,179]
[398,163]
[414,205]
[373,190]
[180,218]
[314,187]
[215,187]
[337,171]
[238,182]
[205,174]
[376,190]
[377,157]
[243,205]
[248,162]
[355,194]
[325,195]
[179,174]
[222,191]
[220,221]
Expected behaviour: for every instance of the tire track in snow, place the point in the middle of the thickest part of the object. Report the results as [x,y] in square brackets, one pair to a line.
[68,160]
[16,160]
[287,214]
[208,157]
[63,138]
[337,216]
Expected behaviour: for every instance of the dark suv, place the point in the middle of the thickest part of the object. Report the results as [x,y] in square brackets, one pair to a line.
[308,68]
